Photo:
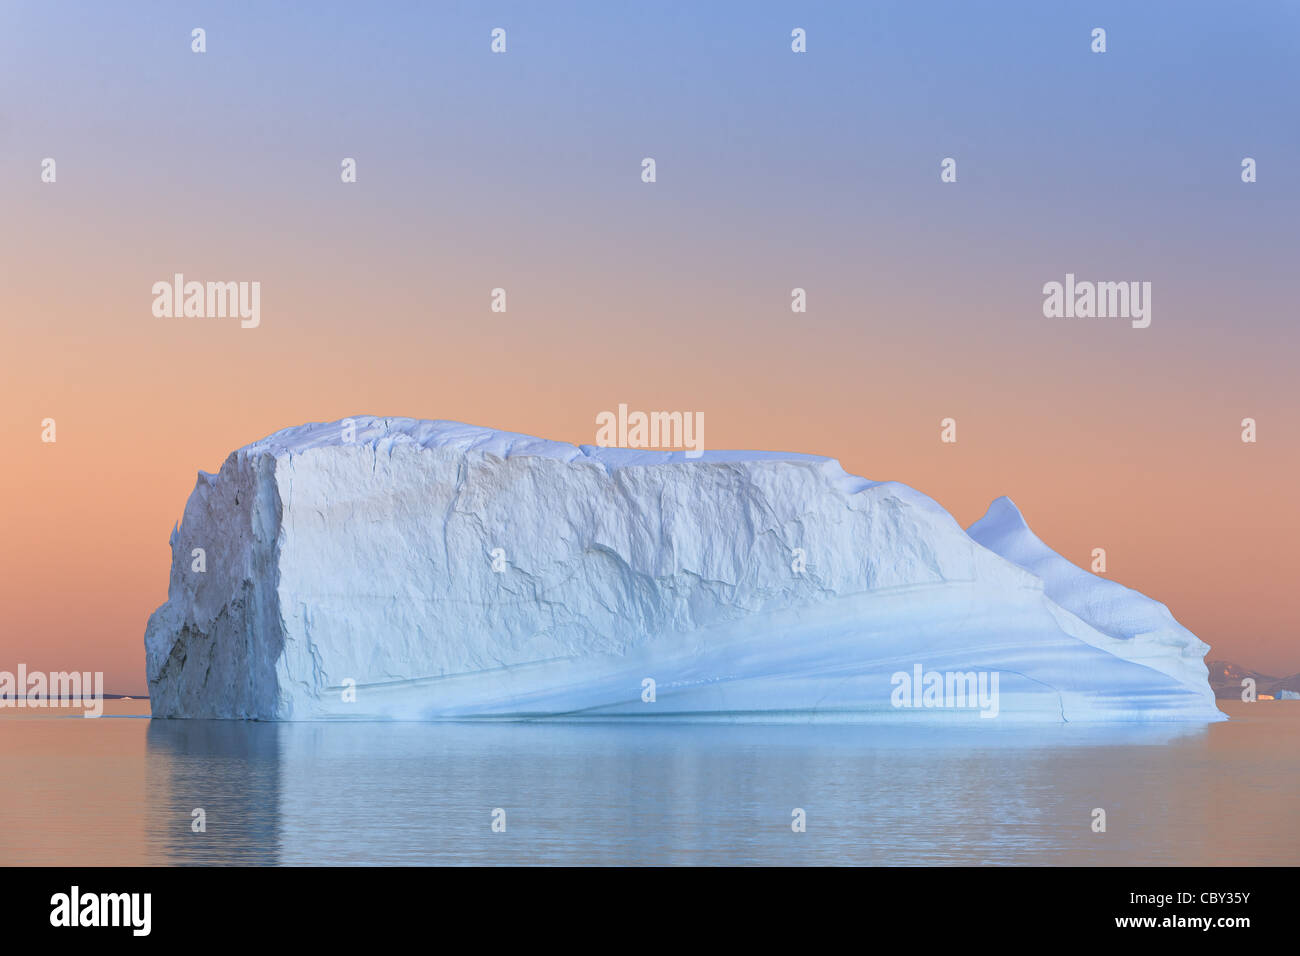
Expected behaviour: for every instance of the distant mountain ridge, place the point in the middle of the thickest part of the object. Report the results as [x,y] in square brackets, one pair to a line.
[1226,678]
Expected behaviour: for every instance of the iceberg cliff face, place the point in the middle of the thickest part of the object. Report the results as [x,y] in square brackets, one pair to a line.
[391,568]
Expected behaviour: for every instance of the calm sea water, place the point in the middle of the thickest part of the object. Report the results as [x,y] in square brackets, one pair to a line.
[121,790]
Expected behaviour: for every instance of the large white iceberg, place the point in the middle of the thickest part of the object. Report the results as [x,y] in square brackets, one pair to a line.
[390,568]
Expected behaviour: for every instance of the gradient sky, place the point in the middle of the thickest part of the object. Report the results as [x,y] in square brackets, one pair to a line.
[775,170]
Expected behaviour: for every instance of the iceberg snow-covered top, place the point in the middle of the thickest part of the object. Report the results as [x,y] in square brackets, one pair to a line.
[384,433]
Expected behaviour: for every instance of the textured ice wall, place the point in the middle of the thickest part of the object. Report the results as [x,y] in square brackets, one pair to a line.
[447,570]
[211,650]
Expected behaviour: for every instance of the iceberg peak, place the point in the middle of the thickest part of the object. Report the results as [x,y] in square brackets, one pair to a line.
[1140,629]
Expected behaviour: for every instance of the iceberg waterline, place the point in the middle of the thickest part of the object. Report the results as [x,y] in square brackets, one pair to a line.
[392,568]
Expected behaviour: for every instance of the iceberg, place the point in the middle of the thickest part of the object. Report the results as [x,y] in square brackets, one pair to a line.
[398,569]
